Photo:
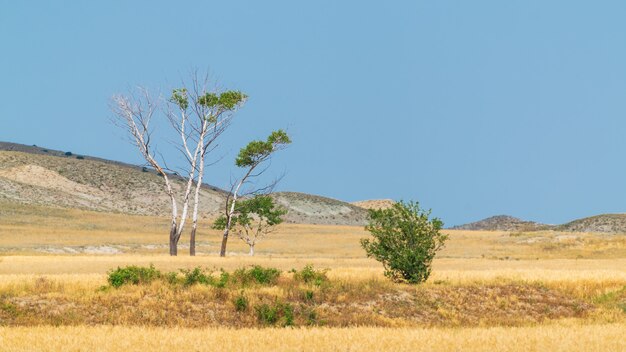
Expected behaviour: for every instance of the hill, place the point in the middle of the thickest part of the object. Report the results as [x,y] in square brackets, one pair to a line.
[611,223]
[503,223]
[312,209]
[41,176]
[375,204]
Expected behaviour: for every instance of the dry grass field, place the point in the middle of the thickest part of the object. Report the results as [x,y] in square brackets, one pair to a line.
[488,291]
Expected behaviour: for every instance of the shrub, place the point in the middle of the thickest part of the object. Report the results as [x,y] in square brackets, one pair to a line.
[404,240]
[171,278]
[271,314]
[80,157]
[258,274]
[195,276]
[267,314]
[68,153]
[309,275]
[133,275]
[224,278]
[241,302]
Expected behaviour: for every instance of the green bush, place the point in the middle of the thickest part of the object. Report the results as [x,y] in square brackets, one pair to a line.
[133,275]
[223,280]
[241,302]
[171,278]
[404,240]
[195,276]
[309,275]
[272,314]
[257,274]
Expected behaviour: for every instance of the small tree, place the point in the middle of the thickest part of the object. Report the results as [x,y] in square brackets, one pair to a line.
[250,158]
[255,218]
[405,241]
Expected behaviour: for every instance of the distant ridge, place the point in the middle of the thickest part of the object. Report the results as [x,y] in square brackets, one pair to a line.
[609,223]
[47,177]
[503,223]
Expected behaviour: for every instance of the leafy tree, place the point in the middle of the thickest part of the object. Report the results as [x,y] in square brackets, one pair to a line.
[249,158]
[404,240]
[199,117]
[253,219]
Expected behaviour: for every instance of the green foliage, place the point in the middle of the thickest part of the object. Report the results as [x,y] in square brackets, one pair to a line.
[404,240]
[80,157]
[179,97]
[258,151]
[220,223]
[68,153]
[241,302]
[226,101]
[255,217]
[308,295]
[223,280]
[195,276]
[171,278]
[260,208]
[256,274]
[309,275]
[272,314]
[133,275]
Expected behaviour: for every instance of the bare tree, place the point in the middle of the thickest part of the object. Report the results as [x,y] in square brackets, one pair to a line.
[200,118]
[249,158]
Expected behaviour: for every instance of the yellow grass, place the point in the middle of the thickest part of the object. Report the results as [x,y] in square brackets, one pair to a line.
[555,337]
[32,229]
[584,266]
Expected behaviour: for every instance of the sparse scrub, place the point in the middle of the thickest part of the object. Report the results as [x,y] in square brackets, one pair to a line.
[133,275]
[196,276]
[310,275]
[271,314]
[256,274]
[241,302]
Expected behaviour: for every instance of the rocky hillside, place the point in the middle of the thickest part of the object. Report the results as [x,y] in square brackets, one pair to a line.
[35,175]
[503,223]
[312,209]
[612,223]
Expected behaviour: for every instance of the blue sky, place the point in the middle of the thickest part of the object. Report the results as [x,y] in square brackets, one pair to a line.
[473,108]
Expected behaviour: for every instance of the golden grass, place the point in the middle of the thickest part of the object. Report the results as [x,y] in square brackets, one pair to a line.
[31,229]
[554,337]
[586,267]
[455,270]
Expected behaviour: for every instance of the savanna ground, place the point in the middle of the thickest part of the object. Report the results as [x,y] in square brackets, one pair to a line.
[488,290]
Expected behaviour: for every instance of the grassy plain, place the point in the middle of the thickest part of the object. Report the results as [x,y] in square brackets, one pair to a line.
[488,291]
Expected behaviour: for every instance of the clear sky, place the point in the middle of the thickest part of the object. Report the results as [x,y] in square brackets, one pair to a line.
[473,108]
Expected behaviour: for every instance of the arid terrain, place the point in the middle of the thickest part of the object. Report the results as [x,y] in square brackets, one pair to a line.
[64,228]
